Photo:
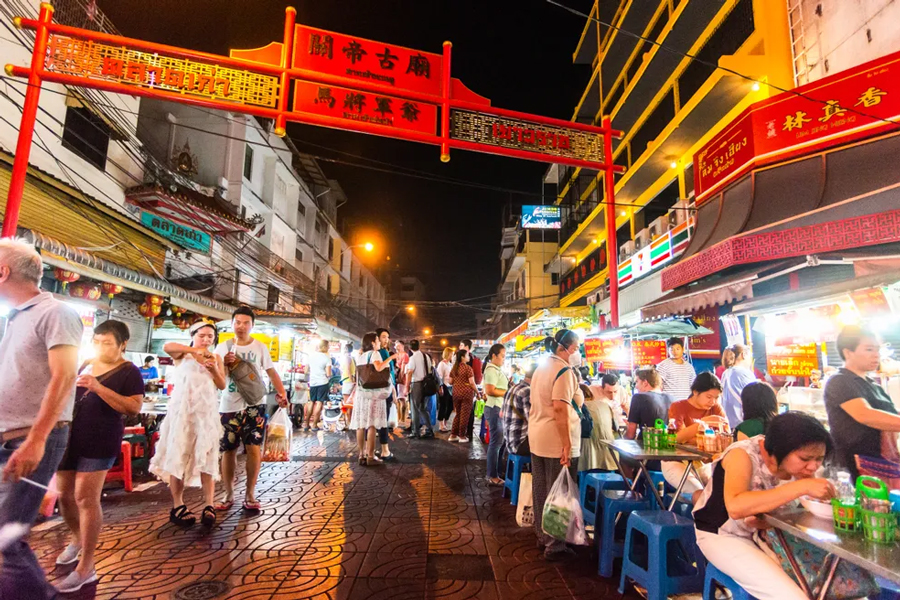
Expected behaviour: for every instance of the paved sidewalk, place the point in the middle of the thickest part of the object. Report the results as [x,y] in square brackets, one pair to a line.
[426,526]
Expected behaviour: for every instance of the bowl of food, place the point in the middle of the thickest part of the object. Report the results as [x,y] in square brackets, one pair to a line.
[823,510]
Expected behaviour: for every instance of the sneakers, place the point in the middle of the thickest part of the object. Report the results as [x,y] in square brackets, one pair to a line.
[463,440]
[69,555]
[74,582]
[453,438]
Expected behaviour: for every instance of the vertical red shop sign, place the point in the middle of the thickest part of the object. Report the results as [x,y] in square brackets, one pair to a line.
[710,344]
[353,105]
[366,60]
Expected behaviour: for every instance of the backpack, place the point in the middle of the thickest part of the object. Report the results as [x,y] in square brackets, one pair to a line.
[247,379]
[430,381]
[587,423]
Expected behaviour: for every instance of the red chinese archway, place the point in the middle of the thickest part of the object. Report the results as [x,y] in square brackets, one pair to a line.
[315,77]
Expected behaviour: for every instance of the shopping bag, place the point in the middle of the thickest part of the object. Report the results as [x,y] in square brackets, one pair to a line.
[525,506]
[277,445]
[392,417]
[479,408]
[562,518]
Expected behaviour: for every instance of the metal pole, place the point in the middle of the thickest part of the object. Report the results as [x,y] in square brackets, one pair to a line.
[611,245]
[445,105]
[26,126]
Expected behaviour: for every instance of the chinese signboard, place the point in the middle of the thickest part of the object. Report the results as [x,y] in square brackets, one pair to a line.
[848,105]
[521,135]
[648,352]
[541,217]
[796,360]
[184,236]
[352,105]
[365,60]
[593,264]
[175,76]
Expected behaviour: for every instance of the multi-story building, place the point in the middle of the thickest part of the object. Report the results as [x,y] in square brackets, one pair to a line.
[288,256]
[694,66]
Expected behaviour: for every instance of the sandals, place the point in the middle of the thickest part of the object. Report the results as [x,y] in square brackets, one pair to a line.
[225,505]
[182,517]
[362,461]
[251,506]
[208,518]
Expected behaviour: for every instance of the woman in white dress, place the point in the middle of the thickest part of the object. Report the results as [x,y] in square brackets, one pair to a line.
[369,407]
[188,449]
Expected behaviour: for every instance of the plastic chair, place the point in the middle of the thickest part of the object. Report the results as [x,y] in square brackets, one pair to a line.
[515,466]
[591,486]
[661,555]
[715,578]
[612,544]
[122,470]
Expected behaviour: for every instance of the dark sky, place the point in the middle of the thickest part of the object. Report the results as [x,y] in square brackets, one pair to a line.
[515,52]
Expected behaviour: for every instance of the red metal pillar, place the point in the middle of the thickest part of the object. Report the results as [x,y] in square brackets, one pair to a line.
[445,105]
[612,255]
[287,56]
[26,125]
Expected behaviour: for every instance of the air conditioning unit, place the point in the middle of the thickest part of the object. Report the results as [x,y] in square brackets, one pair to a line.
[626,250]
[593,299]
[659,227]
[678,214]
[642,239]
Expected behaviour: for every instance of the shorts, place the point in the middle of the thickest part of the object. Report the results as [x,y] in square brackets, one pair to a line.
[246,426]
[319,393]
[83,464]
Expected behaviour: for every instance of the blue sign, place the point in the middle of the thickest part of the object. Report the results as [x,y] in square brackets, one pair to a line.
[184,236]
[541,217]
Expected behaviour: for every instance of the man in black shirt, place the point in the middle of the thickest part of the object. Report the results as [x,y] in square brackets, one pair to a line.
[859,410]
[648,404]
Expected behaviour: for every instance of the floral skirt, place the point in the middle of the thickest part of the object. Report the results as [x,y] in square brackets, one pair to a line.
[369,409]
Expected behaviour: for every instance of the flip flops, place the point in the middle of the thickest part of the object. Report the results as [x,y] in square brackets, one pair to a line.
[223,506]
[252,506]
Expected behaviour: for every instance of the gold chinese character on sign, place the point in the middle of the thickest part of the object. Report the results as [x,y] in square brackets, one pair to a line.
[871,97]
[795,121]
[832,109]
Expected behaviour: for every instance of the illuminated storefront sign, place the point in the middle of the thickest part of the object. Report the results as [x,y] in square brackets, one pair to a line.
[541,217]
[848,105]
[184,236]
[796,360]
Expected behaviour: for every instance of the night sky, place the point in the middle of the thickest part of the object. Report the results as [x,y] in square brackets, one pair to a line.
[518,53]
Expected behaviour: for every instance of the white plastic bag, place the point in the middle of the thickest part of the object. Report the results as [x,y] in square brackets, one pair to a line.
[277,445]
[392,417]
[562,518]
[525,504]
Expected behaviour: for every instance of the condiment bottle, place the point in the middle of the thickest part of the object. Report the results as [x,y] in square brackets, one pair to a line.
[671,433]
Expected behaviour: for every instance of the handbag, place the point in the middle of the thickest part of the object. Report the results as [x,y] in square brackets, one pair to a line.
[584,417]
[525,505]
[370,378]
[247,379]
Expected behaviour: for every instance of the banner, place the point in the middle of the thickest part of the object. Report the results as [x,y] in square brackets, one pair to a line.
[647,353]
[871,302]
[711,344]
[796,360]
[612,353]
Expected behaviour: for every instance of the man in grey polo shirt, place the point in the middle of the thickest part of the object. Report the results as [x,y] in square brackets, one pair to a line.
[38,364]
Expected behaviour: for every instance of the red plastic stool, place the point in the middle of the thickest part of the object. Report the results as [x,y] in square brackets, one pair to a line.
[122,471]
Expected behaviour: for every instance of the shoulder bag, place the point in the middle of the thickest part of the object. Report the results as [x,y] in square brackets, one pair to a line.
[247,379]
[370,378]
[430,382]
[587,424]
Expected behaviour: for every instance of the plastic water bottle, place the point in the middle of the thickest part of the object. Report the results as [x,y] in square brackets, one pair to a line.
[846,493]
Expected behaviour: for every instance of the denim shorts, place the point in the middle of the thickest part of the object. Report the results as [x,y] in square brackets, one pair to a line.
[83,464]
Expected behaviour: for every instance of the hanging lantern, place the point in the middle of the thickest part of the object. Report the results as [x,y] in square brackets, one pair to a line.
[177,310]
[111,289]
[84,291]
[181,323]
[65,277]
[155,300]
[148,311]
[158,322]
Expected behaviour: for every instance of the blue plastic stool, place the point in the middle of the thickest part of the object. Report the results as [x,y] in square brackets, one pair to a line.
[515,466]
[682,506]
[591,486]
[660,568]
[889,589]
[612,546]
[720,579]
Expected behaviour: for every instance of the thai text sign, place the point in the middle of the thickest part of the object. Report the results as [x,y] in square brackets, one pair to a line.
[709,344]
[375,62]
[184,236]
[871,302]
[612,353]
[352,105]
[848,105]
[528,137]
[796,360]
[94,60]
[541,217]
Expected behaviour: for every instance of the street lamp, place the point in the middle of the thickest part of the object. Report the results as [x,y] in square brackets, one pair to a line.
[426,331]
[368,247]
[443,342]
[411,309]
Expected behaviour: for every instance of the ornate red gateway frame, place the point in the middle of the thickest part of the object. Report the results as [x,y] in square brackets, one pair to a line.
[316,77]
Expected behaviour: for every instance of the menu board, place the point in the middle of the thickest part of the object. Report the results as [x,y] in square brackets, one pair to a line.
[648,352]
[611,352]
[794,360]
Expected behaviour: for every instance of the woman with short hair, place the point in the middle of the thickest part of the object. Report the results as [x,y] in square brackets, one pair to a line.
[495,385]
[108,387]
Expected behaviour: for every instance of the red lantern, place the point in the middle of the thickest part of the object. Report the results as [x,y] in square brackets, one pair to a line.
[84,291]
[65,277]
[111,289]
[149,311]
[158,322]
[181,323]
[155,300]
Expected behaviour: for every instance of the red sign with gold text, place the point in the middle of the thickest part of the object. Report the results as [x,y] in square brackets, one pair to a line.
[611,352]
[352,105]
[871,302]
[648,352]
[848,105]
[710,344]
[365,60]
